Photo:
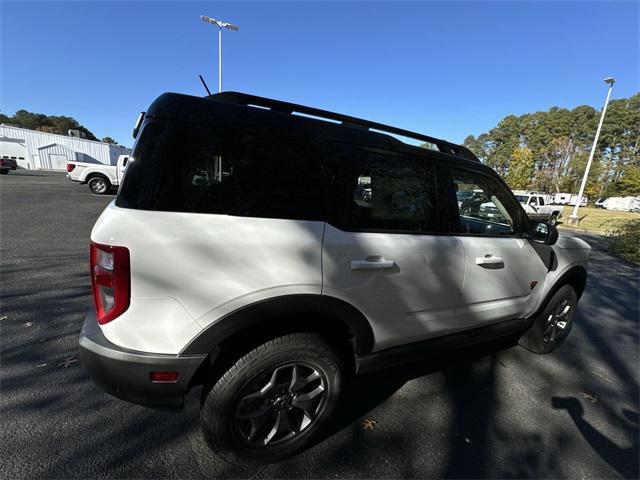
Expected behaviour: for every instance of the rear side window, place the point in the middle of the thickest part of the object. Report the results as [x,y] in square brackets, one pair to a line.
[222,169]
[380,192]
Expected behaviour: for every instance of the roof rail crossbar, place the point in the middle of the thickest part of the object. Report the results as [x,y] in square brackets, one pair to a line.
[289,108]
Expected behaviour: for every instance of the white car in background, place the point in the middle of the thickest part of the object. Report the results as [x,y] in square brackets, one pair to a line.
[621,204]
[537,208]
[100,178]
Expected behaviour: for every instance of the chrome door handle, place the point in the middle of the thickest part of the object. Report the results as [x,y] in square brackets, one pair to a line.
[489,260]
[369,264]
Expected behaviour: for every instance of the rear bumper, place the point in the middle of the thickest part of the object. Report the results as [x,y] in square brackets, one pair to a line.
[125,373]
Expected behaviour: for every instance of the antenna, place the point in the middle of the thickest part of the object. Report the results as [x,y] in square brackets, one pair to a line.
[204,84]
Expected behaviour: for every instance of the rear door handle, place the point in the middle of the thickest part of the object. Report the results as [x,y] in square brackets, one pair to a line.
[371,264]
[489,260]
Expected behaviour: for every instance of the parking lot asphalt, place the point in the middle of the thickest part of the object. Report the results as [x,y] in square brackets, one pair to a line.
[476,414]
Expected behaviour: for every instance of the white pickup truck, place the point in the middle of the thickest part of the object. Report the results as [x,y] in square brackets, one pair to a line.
[538,209]
[100,178]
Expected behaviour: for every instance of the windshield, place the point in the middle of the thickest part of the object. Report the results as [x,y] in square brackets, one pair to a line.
[522,198]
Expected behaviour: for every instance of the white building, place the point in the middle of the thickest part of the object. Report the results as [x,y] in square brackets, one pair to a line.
[49,151]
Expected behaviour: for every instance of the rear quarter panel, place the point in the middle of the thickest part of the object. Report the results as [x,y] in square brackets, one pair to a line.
[206,266]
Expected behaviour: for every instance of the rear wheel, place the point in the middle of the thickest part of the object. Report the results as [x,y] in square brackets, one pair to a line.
[4,172]
[553,325]
[553,219]
[99,185]
[274,400]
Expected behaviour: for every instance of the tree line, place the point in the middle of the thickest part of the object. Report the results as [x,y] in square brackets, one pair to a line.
[548,151]
[49,123]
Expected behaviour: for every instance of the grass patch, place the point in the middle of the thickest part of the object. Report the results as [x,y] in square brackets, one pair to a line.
[599,220]
[626,241]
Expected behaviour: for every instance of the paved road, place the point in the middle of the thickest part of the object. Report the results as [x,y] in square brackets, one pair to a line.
[573,413]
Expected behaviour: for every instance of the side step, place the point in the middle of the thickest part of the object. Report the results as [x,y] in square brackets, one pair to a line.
[421,351]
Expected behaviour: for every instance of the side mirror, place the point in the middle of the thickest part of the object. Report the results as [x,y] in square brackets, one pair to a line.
[543,232]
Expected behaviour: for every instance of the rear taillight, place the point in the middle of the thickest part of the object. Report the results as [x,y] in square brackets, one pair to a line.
[70,167]
[110,279]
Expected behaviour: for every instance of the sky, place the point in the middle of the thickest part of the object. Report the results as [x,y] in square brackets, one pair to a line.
[446,69]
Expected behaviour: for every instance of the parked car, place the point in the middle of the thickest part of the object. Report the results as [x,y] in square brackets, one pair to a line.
[100,178]
[622,204]
[270,256]
[537,209]
[7,164]
[601,202]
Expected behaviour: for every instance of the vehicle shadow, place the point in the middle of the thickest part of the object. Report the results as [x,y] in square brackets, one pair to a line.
[366,392]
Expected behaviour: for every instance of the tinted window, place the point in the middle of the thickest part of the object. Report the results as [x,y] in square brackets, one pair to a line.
[483,205]
[222,169]
[372,191]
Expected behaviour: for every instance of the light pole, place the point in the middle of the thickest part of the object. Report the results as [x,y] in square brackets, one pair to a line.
[573,218]
[220,24]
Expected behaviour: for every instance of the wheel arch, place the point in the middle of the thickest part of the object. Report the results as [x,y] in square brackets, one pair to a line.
[304,312]
[575,276]
[91,175]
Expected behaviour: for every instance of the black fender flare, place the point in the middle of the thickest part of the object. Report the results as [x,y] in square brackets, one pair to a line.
[576,276]
[259,314]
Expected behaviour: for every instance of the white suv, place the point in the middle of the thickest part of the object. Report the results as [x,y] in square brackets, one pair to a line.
[268,251]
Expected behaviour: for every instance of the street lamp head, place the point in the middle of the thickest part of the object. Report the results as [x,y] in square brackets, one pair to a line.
[231,26]
[219,23]
[610,80]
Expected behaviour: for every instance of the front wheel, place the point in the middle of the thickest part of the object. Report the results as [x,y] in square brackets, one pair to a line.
[99,185]
[4,172]
[553,325]
[274,400]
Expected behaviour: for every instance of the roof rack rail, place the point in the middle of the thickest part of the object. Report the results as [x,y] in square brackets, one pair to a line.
[290,108]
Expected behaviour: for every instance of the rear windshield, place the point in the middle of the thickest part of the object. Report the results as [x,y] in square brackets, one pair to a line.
[222,169]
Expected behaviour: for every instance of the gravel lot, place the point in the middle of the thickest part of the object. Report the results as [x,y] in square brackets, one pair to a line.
[573,413]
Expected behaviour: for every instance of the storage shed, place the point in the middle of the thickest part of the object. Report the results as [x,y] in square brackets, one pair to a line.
[48,151]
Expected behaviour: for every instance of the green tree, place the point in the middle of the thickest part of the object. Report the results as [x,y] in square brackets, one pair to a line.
[46,123]
[109,140]
[520,168]
[629,182]
[560,141]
